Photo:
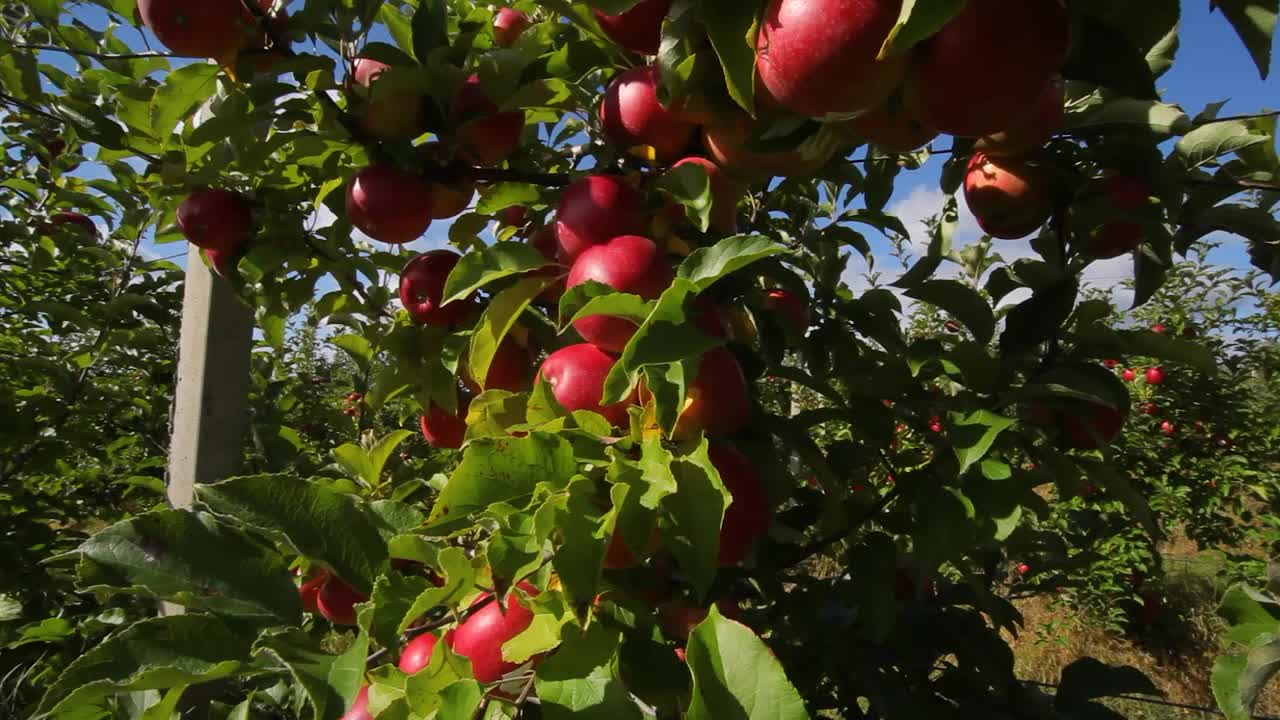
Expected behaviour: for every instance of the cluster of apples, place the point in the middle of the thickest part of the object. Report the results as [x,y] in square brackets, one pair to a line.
[217,29]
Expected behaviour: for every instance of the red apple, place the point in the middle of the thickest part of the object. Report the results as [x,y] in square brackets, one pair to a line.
[336,601]
[629,264]
[890,126]
[619,557]
[718,401]
[80,221]
[442,430]
[216,219]
[359,709]
[576,374]
[596,209]
[508,26]
[726,143]
[631,115]
[1086,425]
[678,620]
[1168,429]
[515,216]
[480,637]
[1032,131]
[417,654]
[1111,240]
[725,194]
[1111,364]
[1023,568]
[708,317]
[1155,376]
[638,29]
[422,288]
[389,204]
[451,198]
[211,28]
[819,56]
[309,591]
[985,70]
[790,308]
[1128,375]
[1150,408]
[1010,197]
[1159,329]
[509,370]
[485,136]
[746,520]
[1126,193]
[223,263]
[391,115]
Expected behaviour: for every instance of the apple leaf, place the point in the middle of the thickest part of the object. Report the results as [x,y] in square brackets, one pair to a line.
[578,520]
[732,26]
[151,654]
[459,581]
[1122,488]
[690,186]
[367,465]
[972,435]
[664,337]
[696,510]
[735,675]
[445,681]
[165,554]
[962,302]
[486,265]
[499,317]
[705,266]
[1103,342]
[393,595]
[581,681]
[945,524]
[305,514]
[1255,22]
[183,90]
[493,412]
[1249,613]
[430,28]
[1162,119]
[916,22]
[616,303]
[329,681]
[1210,142]
[500,196]
[501,470]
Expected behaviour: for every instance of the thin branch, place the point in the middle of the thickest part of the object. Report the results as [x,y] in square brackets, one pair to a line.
[102,56]
[356,286]
[23,105]
[1251,116]
[1242,184]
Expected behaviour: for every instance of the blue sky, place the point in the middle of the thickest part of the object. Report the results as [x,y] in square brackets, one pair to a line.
[1212,65]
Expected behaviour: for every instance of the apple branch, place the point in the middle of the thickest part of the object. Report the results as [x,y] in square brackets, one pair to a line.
[101,56]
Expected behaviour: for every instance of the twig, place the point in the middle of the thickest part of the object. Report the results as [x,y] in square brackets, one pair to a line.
[356,286]
[101,56]
[1242,184]
[23,105]
[1251,116]
[524,692]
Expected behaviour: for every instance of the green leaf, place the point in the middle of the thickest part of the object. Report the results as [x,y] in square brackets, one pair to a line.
[1249,613]
[357,347]
[153,654]
[705,266]
[329,681]
[736,677]
[1239,680]
[961,301]
[183,90]
[305,515]
[430,28]
[664,337]
[945,524]
[972,435]
[1209,142]
[690,186]
[732,27]
[167,554]
[1038,318]
[1255,22]
[1162,119]
[497,470]
[367,465]
[581,681]
[1102,342]
[1088,679]
[696,510]
[1110,479]
[577,518]
[916,22]
[500,196]
[499,317]
[479,268]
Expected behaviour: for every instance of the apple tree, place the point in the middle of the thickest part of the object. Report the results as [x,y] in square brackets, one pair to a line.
[653,214]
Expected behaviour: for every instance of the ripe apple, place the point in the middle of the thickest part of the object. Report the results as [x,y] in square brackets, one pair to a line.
[718,401]
[576,374]
[1111,239]
[442,430]
[393,115]
[890,126]
[309,591]
[1155,376]
[1023,568]
[708,317]
[422,288]
[336,601]
[1032,131]
[638,29]
[631,115]
[515,216]
[417,653]
[596,209]
[212,28]
[1150,408]
[790,308]
[1009,197]
[1086,425]
[508,26]
[987,67]
[629,264]
[725,194]
[1111,364]
[80,221]
[1128,375]
[1168,429]
[678,620]
[480,637]
[746,520]
[389,204]
[819,56]
[216,219]
[1159,329]
[726,143]
[619,557]
[485,136]
[359,709]
[258,45]
[509,370]
[447,199]
[1127,193]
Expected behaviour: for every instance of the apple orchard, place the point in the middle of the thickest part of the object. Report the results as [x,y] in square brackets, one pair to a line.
[659,411]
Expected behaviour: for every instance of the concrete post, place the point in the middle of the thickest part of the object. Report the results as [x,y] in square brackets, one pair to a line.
[210,402]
